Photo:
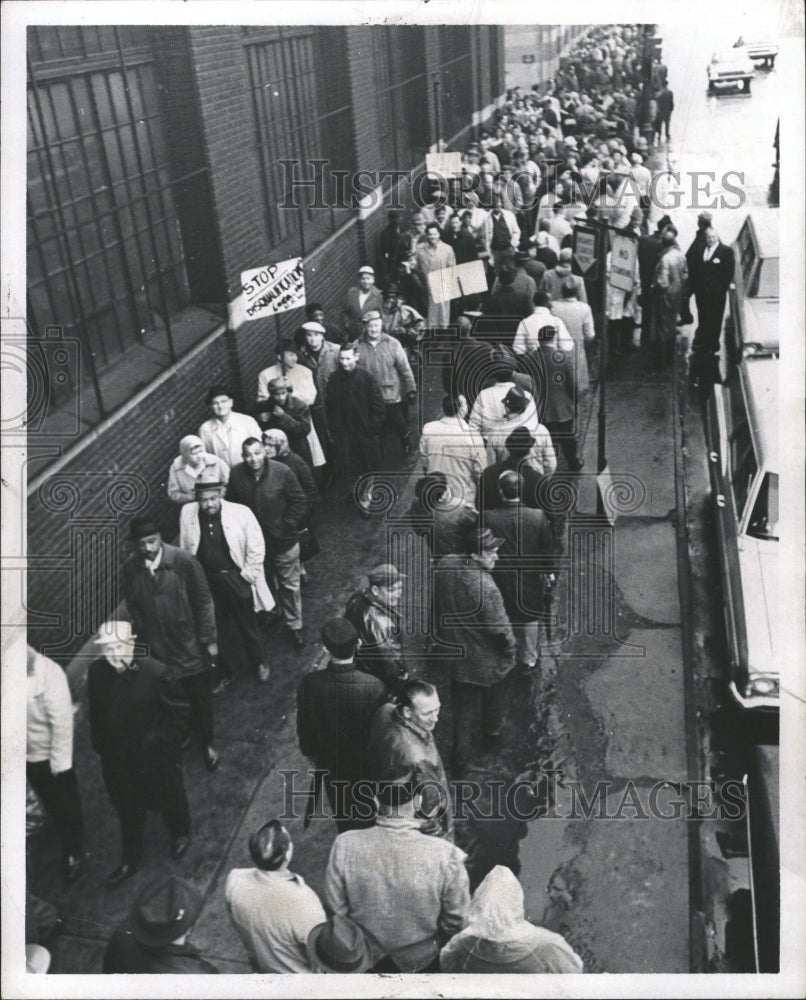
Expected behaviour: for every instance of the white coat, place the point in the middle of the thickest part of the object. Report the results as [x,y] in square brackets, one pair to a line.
[244,541]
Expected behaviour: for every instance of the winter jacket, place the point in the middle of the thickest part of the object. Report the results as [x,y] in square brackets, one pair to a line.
[483,641]
[172,610]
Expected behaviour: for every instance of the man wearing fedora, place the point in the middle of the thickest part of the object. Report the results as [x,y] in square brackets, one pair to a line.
[477,642]
[272,908]
[154,940]
[226,539]
[138,714]
[338,945]
[169,600]
[408,892]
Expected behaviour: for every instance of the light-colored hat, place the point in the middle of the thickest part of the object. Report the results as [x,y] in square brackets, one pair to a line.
[37,959]
[115,632]
[314,327]
[366,269]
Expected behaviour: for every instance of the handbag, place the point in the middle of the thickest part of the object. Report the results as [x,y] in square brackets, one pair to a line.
[308,544]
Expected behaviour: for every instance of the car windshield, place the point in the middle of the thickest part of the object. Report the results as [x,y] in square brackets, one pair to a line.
[764,518]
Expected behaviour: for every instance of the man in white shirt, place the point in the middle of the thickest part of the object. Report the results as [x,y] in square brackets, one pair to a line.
[49,756]
[451,446]
[272,908]
[224,434]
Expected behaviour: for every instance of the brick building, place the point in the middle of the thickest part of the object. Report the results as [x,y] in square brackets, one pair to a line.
[154,180]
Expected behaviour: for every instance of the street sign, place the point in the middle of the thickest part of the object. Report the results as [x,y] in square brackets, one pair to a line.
[623,256]
[585,240]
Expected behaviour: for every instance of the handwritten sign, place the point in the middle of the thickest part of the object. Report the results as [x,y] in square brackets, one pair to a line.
[443,164]
[273,289]
[622,262]
[454,282]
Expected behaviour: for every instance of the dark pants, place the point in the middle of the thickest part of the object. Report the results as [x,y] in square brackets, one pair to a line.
[344,808]
[710,311]
[135,790]
[474,707]
[236,621]
[564,439]
[198,692]
[59,794]
[397,420]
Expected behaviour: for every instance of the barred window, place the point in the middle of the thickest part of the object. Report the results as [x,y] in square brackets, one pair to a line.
[401,95]
[301,103]
[105,255]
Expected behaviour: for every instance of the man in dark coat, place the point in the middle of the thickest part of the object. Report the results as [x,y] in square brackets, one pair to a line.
[508,306]
[471,621]
[665,101]
[283,411]
[356,413]
[694,252]
[273,494]
[335,709]
[138,714]
[361,298]
[373,611]
[172,608]
[403,735]
[154,939]
[711,277]
[519,445]
[525,565]
[561,397]
[649,251]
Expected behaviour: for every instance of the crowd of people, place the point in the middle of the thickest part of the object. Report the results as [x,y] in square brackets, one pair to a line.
[247,485]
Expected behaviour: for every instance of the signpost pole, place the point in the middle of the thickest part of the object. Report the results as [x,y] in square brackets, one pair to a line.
[601,438]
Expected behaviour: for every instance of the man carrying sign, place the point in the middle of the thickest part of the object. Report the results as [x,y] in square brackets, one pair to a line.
[435,256]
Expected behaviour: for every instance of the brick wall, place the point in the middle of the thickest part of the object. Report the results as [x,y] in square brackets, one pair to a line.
[75,521]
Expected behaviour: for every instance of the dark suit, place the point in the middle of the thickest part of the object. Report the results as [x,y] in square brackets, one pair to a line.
[560,414]
[295,420]
[335,709]
[137,719]
[710,280]
[353,312]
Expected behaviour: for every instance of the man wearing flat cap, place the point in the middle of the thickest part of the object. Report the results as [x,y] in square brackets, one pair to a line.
[373,610]
[226,539]
[384,357]
[168,597]
[335,708]
[138,714]
[283,411]
[154,939]
[361,298]
[476,643]
[300,387]
[321,356]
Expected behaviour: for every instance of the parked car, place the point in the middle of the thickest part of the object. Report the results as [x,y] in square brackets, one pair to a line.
[762,796]
[751,324]
[742,432]
[761,52]
[733,68]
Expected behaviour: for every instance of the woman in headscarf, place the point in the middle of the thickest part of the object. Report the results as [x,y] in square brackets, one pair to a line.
[499,938]
[188,465]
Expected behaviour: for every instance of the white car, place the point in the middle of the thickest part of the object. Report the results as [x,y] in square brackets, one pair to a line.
[760,52]
[733,68]
[742,430]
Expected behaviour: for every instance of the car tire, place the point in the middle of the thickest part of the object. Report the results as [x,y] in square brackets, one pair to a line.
[711,88]
[746,86]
